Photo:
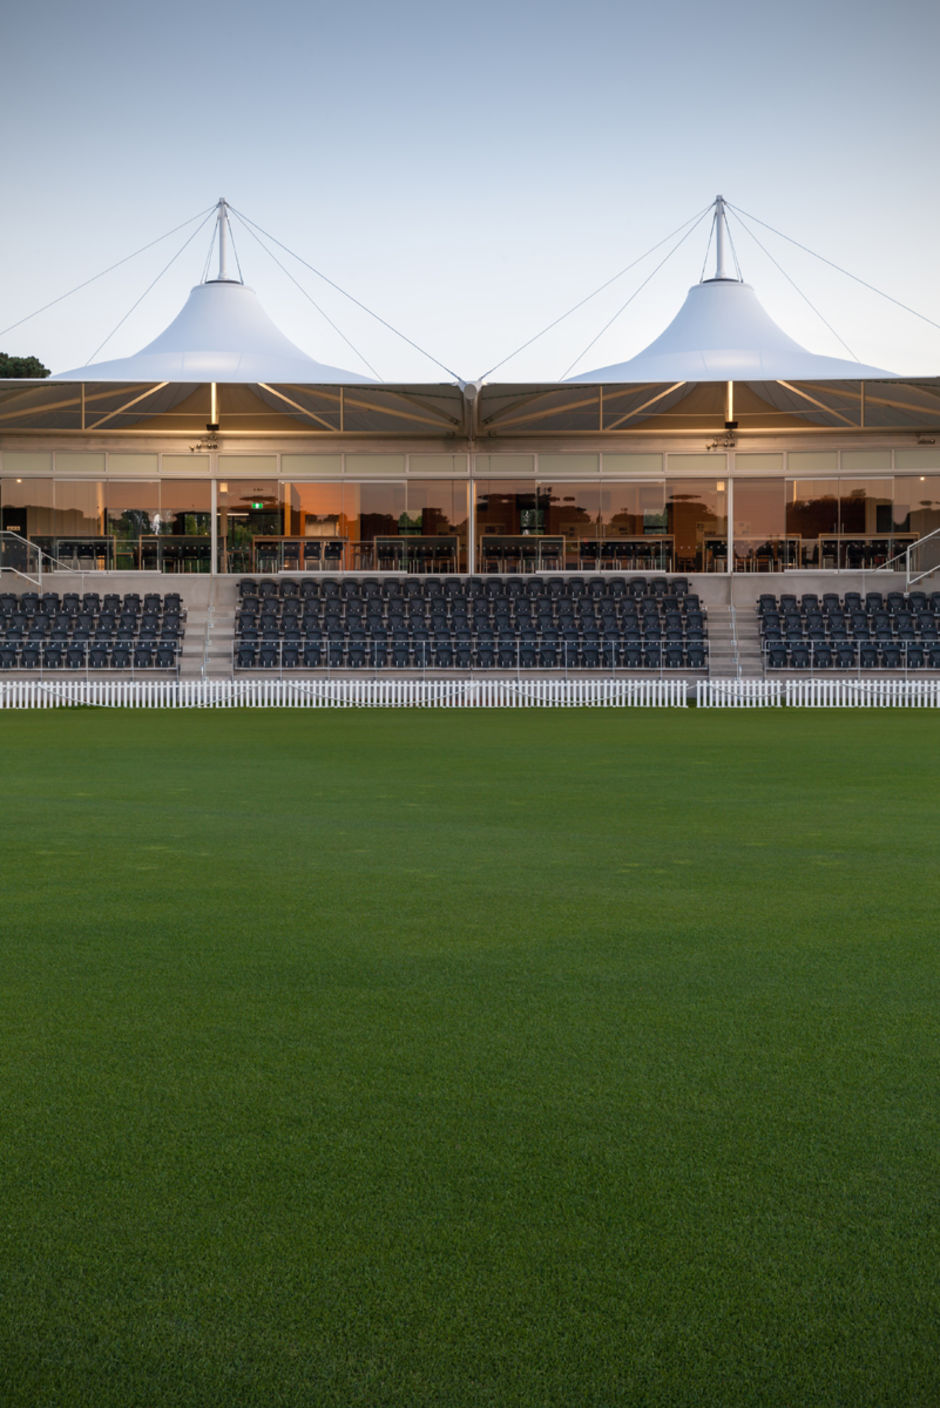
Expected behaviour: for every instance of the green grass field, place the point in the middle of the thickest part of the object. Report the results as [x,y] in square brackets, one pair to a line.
[575,1059]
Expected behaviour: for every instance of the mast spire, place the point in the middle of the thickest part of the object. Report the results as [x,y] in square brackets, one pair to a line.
[721,240]
[223,246]
[224,232]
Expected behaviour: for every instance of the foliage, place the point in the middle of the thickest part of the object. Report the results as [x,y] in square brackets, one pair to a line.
[21,366]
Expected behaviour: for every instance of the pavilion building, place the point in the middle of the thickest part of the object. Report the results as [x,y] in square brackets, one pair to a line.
[723,447]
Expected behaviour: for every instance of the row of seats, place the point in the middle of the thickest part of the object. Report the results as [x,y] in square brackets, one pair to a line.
[853,603]
[466,652]
[483,623]
[94,655]
[90,603]
[880,627]
[851,655]
[652,614]
[91,631]
[570,585]
[85,628]
[878,632]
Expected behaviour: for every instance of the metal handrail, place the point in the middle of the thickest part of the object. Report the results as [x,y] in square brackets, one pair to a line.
[734,638]
[210,621]
[30,548]
[905,556]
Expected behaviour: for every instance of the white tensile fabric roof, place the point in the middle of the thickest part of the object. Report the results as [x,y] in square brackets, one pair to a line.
[221,334]
[722,333]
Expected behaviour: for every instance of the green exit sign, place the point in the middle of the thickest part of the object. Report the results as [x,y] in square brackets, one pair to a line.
[257,503]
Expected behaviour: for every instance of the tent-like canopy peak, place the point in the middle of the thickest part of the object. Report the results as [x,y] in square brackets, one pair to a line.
[723,333]
[221,334]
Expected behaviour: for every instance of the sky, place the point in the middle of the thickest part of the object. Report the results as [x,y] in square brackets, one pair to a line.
[470,173]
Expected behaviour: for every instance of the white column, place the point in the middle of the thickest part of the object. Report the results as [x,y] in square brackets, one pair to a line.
[213,515]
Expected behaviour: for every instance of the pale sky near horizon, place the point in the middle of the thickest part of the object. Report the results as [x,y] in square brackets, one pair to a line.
[471,174]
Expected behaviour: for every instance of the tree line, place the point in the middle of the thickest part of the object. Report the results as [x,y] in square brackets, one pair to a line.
[21,366]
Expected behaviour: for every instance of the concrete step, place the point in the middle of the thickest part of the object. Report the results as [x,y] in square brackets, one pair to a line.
[722,648]
[749,649]
[194,642]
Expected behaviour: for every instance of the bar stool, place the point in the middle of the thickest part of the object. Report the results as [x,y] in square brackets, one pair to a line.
[529,556]
[551,556]
[333,554]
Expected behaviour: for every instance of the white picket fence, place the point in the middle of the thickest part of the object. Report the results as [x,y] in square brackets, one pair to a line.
[738,694]
[344,694]
[864,694]
[468,694]
[818,694]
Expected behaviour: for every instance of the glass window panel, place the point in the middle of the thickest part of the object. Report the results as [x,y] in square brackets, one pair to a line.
[508,465]
[383,512]
[442,504]
[27,507]
[561,466]
[812,462]
[248,510]
[760,522]
[632,510]
[184,507]
[262,466]
[812,509]
[185,465]
[632,464]
[324,510]
[759,508]
[922,460]
[27,462]
[131,508]
[441,465]
[697,518]
[709,466]
[387,466]
[79,508]
[506,506]
[72,462]
[865,506]
[572,510]
[314,466]
[249,496]
[865,461]
[148,465]
[916,503]
[758,464]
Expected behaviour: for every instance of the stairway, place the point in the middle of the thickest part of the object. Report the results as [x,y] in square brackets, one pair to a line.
[722,648]
[194,641]
[210,628]
[747,629]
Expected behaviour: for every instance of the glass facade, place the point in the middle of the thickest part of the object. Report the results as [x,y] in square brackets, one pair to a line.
[375,524]
[581,511]
[132,513]
[831,523]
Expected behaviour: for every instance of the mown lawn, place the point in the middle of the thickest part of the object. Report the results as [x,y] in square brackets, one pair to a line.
[575,1059]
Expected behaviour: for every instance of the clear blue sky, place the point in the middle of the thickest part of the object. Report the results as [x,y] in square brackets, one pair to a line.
[471,171]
